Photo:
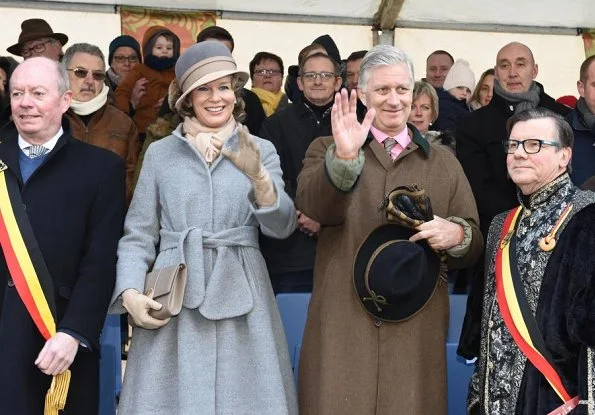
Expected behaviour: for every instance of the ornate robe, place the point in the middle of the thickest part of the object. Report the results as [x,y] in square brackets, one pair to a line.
[560,289]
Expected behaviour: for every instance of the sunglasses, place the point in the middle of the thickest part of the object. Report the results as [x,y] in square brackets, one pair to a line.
[82,73]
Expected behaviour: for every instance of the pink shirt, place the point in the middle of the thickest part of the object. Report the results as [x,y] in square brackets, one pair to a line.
[402,139]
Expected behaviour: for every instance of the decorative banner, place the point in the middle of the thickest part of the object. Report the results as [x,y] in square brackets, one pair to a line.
[589,40]
[187,25]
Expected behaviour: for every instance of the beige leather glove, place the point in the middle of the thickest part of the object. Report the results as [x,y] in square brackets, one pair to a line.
[138,306]
[247,159]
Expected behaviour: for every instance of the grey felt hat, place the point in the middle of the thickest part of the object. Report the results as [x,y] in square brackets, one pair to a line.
[203,63]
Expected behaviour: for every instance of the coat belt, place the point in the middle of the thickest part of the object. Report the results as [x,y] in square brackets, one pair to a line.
[224,290]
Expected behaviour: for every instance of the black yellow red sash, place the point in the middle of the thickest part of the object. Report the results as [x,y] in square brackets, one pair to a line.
[30,275]
[516,313]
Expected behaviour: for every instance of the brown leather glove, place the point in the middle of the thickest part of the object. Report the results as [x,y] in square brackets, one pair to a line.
[408,206]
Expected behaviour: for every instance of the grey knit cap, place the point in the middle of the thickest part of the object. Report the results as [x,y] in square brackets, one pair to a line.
[202,63]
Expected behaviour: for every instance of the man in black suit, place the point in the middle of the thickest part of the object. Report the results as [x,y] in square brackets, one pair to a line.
[74,196]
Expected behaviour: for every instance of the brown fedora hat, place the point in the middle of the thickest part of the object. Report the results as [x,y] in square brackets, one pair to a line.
[32,29]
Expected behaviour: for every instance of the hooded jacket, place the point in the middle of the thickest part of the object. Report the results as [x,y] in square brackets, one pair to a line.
[155,89]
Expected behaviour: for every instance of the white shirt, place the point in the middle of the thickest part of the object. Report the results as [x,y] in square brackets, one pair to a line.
[23,144]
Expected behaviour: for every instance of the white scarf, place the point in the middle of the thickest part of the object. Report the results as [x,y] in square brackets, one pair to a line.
[89,107]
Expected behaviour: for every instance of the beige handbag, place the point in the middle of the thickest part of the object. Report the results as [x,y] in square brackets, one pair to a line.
[166,286]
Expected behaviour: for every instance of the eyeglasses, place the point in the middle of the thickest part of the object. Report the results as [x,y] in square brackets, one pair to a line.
[325,76]
[39,48]
[82,73]
[531,146]
[267,72]
[129,59]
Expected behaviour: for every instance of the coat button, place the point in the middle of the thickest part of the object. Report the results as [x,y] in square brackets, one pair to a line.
[490,365]
[490,324]
[378,323]
[10,282]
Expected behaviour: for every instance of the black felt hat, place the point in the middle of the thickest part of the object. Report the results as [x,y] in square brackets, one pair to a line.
[395,278]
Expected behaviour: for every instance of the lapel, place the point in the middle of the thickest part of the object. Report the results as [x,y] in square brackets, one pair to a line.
[379,152]
[9,150]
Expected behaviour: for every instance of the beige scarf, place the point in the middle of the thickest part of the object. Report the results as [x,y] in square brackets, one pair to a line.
[208,141]
[269,100]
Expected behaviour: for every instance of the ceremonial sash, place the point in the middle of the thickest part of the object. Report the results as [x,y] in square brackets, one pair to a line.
[30,275]
[517,315]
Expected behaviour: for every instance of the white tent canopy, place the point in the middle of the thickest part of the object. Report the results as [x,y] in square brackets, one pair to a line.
[285,26]
[509,15]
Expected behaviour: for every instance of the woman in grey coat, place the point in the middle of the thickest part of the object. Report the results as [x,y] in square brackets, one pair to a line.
[202,194]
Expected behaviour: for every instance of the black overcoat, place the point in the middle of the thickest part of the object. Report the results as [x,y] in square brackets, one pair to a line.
[292,130]
[75,202]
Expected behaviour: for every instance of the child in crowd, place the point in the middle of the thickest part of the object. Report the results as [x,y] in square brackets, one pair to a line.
[459,82]
[161,49]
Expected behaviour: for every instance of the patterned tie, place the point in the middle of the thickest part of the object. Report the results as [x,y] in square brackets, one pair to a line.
[36,151]
[389,143]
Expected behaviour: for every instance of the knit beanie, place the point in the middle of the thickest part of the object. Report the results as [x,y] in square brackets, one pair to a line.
[460,75]
[120,41]
[330,46]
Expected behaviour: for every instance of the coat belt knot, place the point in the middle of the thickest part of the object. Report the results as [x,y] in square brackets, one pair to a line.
[224,290]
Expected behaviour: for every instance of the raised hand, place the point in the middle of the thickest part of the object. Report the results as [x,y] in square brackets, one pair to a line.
[348,133]
[247,158]
[139,89]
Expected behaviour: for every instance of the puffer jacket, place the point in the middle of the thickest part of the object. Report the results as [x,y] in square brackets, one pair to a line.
[113,130]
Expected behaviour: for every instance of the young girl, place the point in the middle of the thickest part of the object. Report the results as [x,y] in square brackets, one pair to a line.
[161,49]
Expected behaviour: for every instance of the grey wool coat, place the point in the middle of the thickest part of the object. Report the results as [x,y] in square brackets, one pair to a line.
[226,353]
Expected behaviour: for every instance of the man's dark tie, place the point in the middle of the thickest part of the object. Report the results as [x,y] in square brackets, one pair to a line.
[36,151]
